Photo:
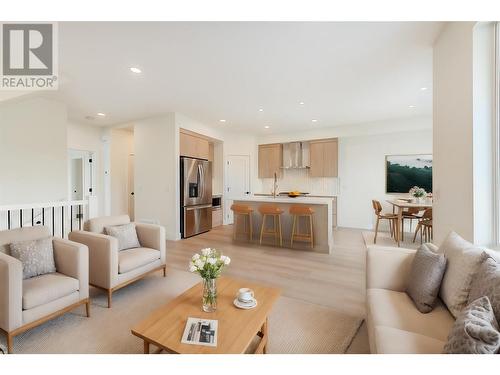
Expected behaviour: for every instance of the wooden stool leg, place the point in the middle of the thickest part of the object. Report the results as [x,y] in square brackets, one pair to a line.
[235,225]
[280,233]
[402,229]
[262,227]
[311,228]
[250,235]
[293,229]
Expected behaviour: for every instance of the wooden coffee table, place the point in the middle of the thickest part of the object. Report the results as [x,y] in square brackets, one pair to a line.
[237,328]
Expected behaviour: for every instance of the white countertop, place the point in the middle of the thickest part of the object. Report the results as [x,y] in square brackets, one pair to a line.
[298,200]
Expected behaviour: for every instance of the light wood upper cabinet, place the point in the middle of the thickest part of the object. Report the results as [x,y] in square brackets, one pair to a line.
[270,160]
[192,146]
[324,158]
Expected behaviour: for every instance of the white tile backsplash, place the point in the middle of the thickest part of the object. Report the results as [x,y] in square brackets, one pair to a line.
[299,179]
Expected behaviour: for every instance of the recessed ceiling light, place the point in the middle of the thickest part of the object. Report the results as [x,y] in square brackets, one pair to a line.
[261,110]
[411,106]
[222,120]
[100,114]
[266,127]
[133,69]
[423,88]
[314,120]
[302,103]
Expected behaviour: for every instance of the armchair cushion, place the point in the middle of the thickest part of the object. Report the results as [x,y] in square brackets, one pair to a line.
[131,259]
[43,289]
[126,235]
[97,224]
[37,256]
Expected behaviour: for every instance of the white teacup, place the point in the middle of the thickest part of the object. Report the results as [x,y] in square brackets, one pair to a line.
[245,295]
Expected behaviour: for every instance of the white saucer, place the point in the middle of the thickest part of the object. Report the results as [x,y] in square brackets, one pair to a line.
[243,305]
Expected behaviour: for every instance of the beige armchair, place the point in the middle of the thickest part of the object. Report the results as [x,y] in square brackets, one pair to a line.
[110,269]
[25,304]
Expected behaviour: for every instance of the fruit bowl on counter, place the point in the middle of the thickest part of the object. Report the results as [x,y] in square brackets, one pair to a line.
[294,194]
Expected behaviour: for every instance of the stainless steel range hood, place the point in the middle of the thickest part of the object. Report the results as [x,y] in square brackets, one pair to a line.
[295,155]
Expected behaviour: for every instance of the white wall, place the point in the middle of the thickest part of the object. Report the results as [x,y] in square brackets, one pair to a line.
[464,132]
[484,142]
[362,172]
[90,138]
[33,152]
[121,146]
[156,149]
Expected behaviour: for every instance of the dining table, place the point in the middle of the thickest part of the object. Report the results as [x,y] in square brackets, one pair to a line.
[400,205]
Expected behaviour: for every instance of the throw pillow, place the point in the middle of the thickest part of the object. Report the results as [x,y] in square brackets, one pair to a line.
[126,235]
[487,283]
[475,331]
[426,274]
[37,256]
[463,261]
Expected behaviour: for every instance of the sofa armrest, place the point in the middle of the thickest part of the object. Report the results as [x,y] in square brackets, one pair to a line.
[11,293]
[103,257]
[72,259]
[388,267]
[152,236]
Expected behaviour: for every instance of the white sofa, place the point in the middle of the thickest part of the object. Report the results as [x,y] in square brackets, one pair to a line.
[394,323]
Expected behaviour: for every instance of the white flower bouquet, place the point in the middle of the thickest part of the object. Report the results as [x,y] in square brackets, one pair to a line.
[417,192]
[209,265]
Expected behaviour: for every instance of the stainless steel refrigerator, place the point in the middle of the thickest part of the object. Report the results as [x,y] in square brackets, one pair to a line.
[196,196]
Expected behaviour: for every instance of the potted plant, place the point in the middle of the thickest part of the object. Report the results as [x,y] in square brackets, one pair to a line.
[418,194]
[209,265]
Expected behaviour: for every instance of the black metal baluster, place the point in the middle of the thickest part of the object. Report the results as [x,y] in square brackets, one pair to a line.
[80,216]
[21,217]
[53,221]
[32,217]
[71,218]
[43,215]
[62,221]
[8,219]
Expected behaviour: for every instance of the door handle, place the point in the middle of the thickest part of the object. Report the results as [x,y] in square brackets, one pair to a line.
[192,208]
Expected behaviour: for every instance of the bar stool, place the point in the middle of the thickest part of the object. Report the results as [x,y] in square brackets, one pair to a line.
[299,211]
[245,212]
[270,210]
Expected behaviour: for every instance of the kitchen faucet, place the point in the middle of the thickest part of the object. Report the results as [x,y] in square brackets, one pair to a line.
[275,185]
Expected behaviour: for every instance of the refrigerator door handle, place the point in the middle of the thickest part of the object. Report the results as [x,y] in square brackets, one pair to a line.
[192,208]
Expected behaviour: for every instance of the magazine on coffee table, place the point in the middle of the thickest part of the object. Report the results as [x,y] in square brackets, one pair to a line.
[200,332]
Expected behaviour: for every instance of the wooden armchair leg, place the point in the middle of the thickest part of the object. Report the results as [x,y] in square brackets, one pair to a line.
[110,297]
[87,308]
[10,343]
[165,270]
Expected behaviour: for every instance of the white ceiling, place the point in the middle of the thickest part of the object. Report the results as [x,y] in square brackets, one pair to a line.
[344,72]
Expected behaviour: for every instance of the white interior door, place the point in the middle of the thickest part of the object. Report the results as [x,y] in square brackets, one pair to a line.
[237,182]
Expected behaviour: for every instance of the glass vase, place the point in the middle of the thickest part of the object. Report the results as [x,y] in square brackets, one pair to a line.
[209,295]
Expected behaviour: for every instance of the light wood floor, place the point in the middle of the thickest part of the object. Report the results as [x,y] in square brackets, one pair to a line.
[336,281]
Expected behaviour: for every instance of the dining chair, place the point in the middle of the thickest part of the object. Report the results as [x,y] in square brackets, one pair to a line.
[424,226]
[392,218]
[411,213]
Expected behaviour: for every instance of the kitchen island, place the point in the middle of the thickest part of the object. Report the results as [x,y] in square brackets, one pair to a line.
[322,219]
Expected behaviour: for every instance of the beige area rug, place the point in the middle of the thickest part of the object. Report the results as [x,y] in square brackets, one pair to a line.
[385,239]
[295,326]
